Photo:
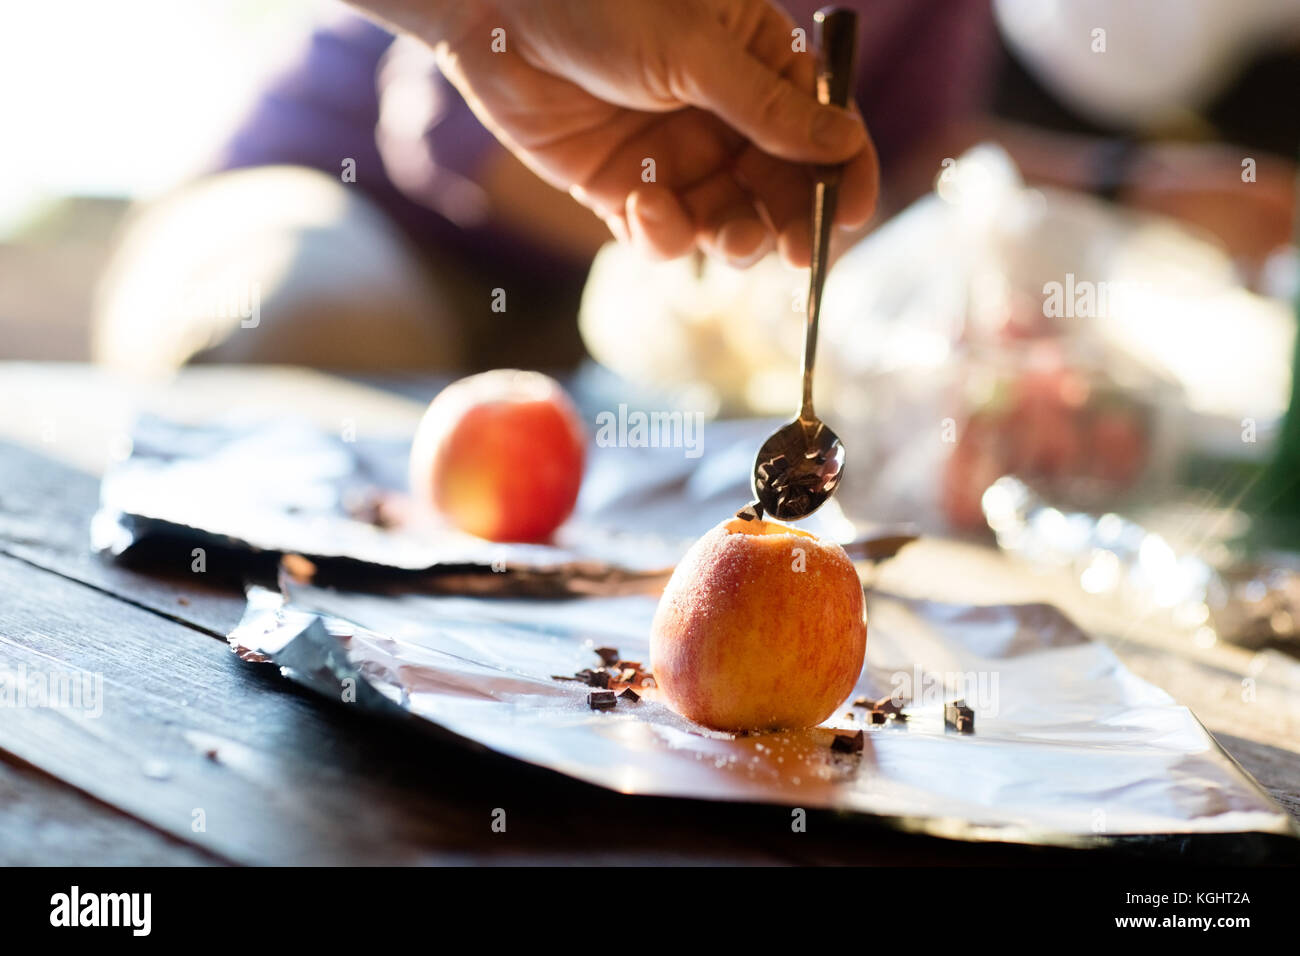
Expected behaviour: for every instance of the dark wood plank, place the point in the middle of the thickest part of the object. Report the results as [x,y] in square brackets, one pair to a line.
[45,512]
[45,823]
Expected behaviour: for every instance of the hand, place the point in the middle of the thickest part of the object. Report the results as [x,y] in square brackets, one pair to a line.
[711,91]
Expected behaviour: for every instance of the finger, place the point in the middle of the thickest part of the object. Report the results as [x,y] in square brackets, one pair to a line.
[658,224]
[727,224]
[785,192]
[742,242]
[775,44]
[859,189]
[618,228]
[675,150]
[718,75]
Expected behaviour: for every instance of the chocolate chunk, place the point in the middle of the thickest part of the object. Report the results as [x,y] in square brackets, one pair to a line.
[598,678]
[630,696]
[879,717]
[848,743]
[752,511]
[624,665]
[887,705]
[608,655]
[602,700]
[863,702]
[959,716]
[627,676]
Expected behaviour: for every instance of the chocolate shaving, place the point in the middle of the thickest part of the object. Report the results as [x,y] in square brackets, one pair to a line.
[615,674]
[959,716]
[882,710]
[887,705]
[849,743]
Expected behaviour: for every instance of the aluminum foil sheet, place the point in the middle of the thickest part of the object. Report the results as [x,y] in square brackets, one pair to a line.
[1069,748]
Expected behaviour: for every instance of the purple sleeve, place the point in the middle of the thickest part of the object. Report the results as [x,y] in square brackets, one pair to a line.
[324,105]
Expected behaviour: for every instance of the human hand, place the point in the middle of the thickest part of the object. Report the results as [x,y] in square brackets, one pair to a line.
[681,123]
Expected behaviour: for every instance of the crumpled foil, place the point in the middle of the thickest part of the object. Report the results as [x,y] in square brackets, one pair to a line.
[1069,748]
[1249,602]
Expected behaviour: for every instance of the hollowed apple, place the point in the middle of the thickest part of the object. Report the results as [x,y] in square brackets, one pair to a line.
[761,627]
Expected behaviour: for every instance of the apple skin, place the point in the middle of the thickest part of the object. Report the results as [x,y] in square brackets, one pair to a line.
[742,641]
[500,455]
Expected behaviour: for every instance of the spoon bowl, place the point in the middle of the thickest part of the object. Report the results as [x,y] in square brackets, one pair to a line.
[798,469]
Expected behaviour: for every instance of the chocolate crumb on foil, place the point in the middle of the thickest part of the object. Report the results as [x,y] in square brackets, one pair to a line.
[881,711]
[849,743]
[602,700]
[959,716]
[615,674]
[887,705]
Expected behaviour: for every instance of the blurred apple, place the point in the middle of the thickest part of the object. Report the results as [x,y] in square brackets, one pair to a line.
[500,455]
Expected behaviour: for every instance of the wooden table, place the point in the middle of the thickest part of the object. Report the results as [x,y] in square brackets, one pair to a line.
[204,759]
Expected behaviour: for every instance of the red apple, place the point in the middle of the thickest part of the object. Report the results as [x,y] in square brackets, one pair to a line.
[500,455]
[761,627]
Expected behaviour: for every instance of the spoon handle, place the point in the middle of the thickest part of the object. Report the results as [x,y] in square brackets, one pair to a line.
[835,33]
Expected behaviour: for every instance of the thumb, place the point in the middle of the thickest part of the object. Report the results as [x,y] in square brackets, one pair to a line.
[718,75]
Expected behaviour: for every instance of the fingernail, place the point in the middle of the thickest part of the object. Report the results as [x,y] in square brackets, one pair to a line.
[835,129]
